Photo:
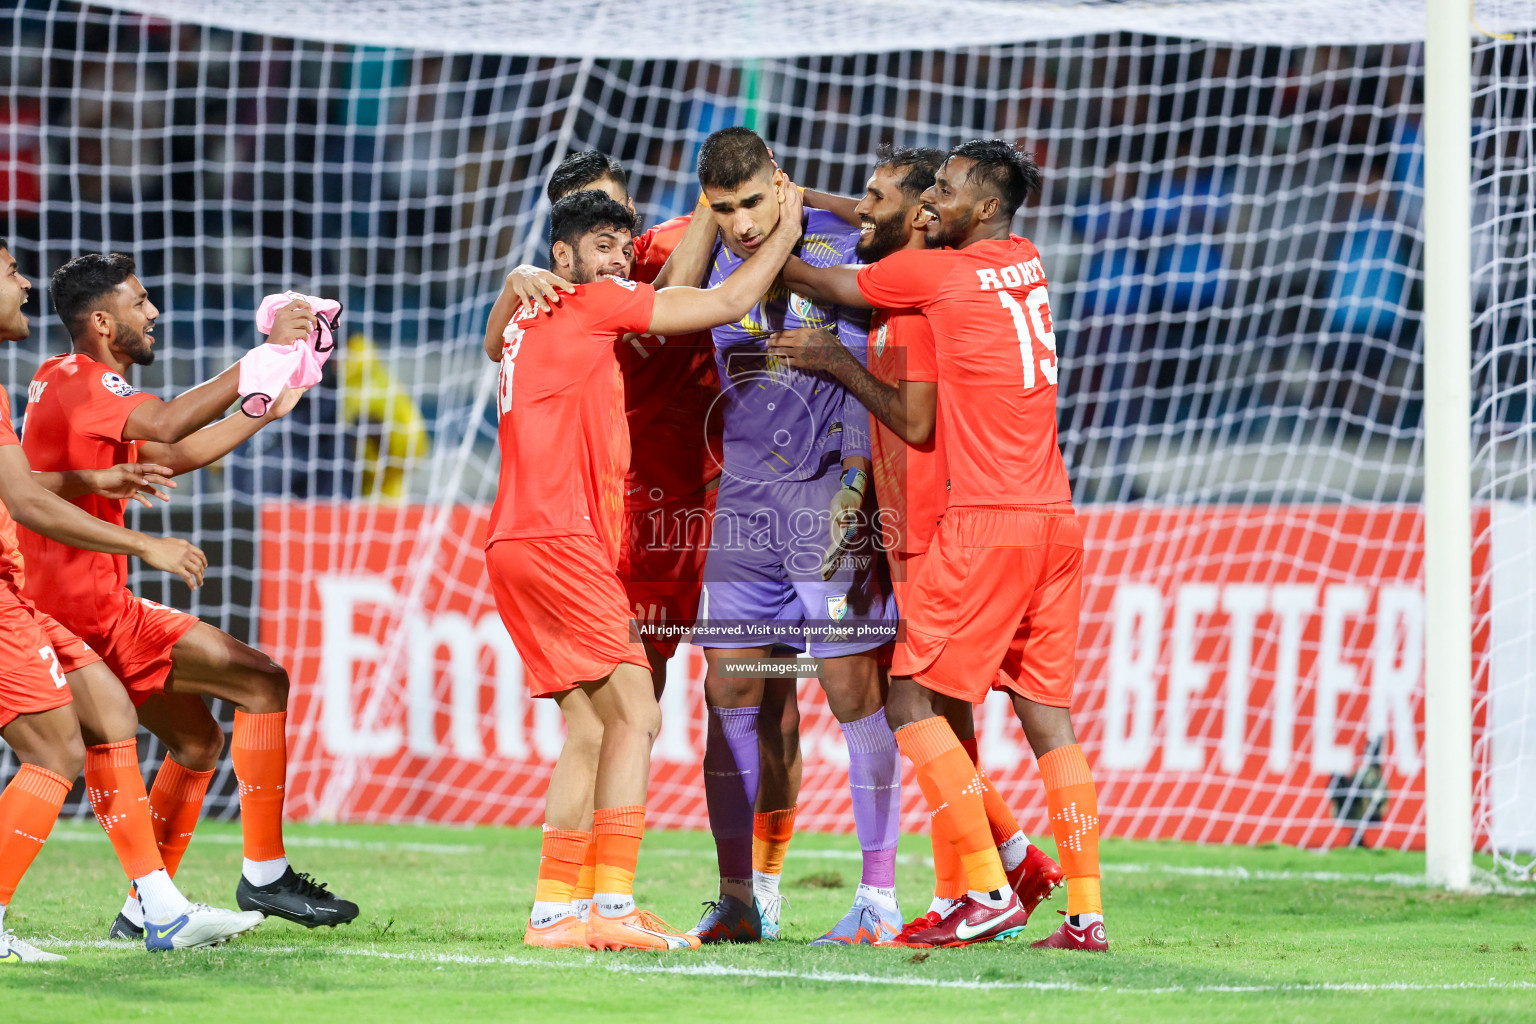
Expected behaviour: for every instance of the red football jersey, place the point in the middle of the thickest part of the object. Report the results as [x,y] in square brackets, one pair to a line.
[996,355]
[564,443]
[909,479]
[11,562]
[75,420]
[669,387]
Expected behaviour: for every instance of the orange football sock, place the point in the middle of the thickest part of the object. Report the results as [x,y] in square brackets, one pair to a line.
[259,753]
[771,833]
[28,808]
[175,804]
[116,791]
[560,865]
[587,879]
[616,832]
[999,815]
[948,780]
[949,882]
[1074,807]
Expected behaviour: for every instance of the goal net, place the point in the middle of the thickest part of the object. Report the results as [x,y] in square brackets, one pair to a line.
[1231,228]
[1504,429]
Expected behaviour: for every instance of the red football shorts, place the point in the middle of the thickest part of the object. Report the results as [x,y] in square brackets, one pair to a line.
[662,563]
[134,637]
[996,604]
[564,608]
[904,569]
[36,653]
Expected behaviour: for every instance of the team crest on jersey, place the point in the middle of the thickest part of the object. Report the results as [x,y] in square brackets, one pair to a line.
[880,339]
[623,282]
[837,606]
[801,306]
[119,387]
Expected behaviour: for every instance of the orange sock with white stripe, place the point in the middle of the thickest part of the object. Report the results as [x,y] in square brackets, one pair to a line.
[1011,842]
[587,879]
[1000,817]
[1074,807]
[28,808]
[559,870]
[771,833]
[616,832]
[949,782]
[116,791]
[175,804]
[258,751]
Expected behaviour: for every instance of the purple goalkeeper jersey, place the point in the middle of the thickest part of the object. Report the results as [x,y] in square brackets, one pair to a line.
[781,423]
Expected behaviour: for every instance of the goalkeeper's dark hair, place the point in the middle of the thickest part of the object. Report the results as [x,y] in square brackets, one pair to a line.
[1011,175]
[573,217]
[79,286]
[583,170]
[731,157]
[917,164]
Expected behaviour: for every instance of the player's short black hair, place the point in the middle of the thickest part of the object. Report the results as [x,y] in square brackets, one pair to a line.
[917,164]
[572,217]
[581,170]
[79,286]
[732,156]
[1013,176]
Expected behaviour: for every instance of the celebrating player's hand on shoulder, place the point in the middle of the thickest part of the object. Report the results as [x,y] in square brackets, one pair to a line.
[808,348]
[136,480]
[174,555]
[791,204]
[292,323]
[536,287]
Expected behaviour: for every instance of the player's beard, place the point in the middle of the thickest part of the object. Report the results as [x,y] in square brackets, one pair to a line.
[941,233]
[579,272]
[888,236]
[133,344]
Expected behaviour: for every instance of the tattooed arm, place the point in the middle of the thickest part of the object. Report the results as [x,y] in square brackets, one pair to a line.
[907,408]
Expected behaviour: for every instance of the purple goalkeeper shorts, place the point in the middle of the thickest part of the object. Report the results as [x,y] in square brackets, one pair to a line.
[762,580]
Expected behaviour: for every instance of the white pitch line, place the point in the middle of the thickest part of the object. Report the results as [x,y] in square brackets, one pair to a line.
[1487,882]
[95,835]
[717,970]
[799,853]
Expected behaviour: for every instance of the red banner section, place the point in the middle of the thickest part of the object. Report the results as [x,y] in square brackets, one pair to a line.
[1245,674]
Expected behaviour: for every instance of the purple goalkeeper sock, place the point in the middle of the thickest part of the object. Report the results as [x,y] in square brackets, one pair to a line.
[731,774]
[874,777]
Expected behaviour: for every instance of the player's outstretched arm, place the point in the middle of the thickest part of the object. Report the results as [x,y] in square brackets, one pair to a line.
[136,480]
[844,207]
[170,422]
[680,310]
[825,286]
[909,408]
[526,284]
[689,262]
[42,511]
[212,443]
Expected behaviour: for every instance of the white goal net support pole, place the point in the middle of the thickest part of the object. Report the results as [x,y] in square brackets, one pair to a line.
[1447,445]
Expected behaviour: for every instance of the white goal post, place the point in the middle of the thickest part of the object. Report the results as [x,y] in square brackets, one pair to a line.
[1448,444]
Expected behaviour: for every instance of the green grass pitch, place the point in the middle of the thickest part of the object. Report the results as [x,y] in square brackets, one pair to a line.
[1197,933]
